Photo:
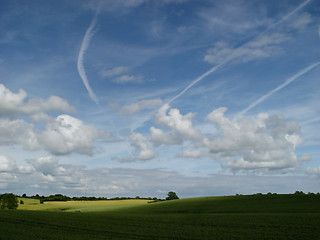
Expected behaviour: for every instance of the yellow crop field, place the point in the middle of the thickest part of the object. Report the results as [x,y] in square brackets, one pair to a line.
[84,206]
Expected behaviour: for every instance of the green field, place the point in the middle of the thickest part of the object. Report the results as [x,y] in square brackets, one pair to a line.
[232,217]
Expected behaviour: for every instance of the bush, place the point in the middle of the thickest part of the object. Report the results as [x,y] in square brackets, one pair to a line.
[8,201]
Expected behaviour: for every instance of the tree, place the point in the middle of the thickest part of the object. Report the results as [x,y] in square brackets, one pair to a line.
[8,201]
[171,196]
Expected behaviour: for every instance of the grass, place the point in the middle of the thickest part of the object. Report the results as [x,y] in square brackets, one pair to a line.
[241,217]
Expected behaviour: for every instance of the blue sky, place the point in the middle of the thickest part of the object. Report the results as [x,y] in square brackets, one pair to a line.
[141,97]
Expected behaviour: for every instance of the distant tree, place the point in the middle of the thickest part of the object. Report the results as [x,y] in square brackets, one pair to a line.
[24,195]
[299,193]
[21,202]
[8,201]
[171,196]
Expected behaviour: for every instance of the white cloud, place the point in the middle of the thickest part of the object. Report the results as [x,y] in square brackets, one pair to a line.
[62,135]
[67,134]
[142,151]
[12,104]
[18,132]
[158,137]
[172,119]
[45,165]
[141,105]
[74,180]
[261,142]
[7,164]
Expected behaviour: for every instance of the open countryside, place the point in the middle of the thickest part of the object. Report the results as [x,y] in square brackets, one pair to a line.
[159,119]
[258,216]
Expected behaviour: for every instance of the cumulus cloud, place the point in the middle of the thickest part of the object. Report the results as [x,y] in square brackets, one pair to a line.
[260,142]
[54,175]
[142,151]
[67,134]
[18,132]
[12,104]
[9,165]
[140,106]
[158,137]
[172,119]
[45,165]
[61,135]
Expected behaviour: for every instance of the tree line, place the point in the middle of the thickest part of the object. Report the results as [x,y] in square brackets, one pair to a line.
[61,197]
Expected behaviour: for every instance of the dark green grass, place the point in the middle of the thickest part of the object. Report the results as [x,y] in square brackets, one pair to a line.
[242,217]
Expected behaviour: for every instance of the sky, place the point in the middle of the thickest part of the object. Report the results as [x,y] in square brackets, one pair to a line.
[141,97]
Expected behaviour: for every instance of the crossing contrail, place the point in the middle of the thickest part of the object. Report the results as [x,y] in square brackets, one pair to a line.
[84,46]
[231,57]
[288,81]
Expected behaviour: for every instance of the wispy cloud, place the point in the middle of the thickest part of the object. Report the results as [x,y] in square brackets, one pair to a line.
[114,71]
[235,53]
[128,79]
[288,81]
[84,46]
[141,105]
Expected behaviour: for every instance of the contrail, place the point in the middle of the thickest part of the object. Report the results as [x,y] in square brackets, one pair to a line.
[288,81]
[287,16]
[228,59]
[215,68]
[84,46]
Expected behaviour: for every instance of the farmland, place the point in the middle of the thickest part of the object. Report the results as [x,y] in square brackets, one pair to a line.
[231,217]
[79,206]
